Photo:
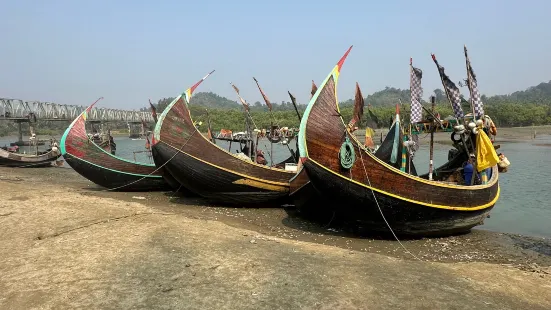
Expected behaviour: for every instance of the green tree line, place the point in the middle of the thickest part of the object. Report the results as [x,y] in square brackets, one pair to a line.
[530,107]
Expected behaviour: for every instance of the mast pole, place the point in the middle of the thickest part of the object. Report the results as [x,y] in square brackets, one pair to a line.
[409,134]
[471,102]
[431,154]
[409,157]
[213,140]
[294,102]
[463,120]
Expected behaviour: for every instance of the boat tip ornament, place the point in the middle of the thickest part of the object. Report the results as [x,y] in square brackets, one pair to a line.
[335,72]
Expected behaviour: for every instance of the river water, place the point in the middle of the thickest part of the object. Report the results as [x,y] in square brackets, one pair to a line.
[524,205]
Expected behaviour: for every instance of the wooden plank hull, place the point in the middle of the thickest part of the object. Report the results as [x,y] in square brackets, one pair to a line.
[412,205]
[103,168]
[169,179]
[354,203]
[210,171]
[115,180]
[218,184]
[10,159]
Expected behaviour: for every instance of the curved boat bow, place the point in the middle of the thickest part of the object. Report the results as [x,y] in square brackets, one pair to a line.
[360,187]
[101,167]
[208,170]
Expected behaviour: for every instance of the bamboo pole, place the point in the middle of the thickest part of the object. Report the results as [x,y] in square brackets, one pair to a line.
[213,140]
[451,102]
[431,154]
[294,102]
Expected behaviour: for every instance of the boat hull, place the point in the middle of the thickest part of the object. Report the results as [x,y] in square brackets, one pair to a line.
[216,183]
[104,168]
[6,162]
[10,159]
[361,188]
[356,204]
[115,180]
[169,179]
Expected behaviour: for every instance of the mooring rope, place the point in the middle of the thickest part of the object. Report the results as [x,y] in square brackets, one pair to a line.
[347,155]
[381,211]
[157,169]
[179,187]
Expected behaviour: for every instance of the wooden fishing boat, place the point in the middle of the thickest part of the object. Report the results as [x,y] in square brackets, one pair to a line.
[360,187]
[102,167]
[103,139]
[209,170]
[303,192]
[108,144]
[41,159]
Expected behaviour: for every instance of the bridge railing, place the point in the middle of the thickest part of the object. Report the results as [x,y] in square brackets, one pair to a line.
[17,109]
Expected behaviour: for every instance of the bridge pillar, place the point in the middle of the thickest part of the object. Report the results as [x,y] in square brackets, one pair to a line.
[20,132]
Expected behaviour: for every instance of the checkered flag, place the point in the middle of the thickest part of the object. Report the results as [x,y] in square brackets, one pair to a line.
[416,93]
[454,95]
[476,101]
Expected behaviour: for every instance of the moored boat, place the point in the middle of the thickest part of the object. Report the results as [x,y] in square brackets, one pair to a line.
[10,158]
[103,168]
[359,187]
[209,170]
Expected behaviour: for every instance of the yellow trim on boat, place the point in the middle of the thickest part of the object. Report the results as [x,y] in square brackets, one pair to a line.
[252,162]
[491,182]
[230,171]
[261,185]
[484,206]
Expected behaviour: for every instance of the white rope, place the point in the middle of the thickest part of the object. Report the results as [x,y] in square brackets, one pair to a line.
[176,153]
[140,179]
[380,210]
[176,191]
[30,165]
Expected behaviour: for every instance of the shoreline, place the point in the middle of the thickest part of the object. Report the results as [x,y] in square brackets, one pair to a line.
[287,223]
[68,243]
[504,134]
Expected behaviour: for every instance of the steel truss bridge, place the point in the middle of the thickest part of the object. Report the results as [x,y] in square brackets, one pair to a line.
[22,111]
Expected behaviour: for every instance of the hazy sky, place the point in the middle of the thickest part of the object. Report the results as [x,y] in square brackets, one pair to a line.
[72,52]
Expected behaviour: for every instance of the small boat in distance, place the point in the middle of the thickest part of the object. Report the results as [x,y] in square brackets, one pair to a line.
[10,157]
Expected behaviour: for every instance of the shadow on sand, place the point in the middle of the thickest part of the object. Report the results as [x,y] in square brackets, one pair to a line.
[328,223]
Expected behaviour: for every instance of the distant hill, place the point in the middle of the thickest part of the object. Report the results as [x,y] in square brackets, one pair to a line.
[531,106]
[388,97]
[521,108]
[212,100]
[540,94]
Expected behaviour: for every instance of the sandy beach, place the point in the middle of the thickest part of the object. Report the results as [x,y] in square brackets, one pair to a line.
[68,244]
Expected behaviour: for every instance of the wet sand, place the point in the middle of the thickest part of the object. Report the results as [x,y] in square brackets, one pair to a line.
[67,243]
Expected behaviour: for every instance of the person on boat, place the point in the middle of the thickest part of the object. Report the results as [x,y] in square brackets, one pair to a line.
[468,170]
[260,159]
